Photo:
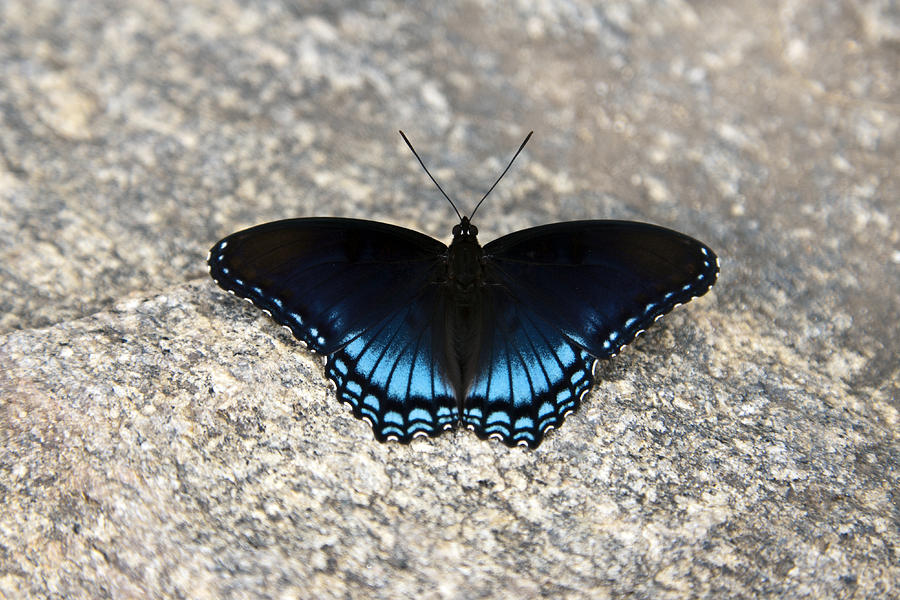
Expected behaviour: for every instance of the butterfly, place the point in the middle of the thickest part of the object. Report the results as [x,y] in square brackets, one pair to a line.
[421,337]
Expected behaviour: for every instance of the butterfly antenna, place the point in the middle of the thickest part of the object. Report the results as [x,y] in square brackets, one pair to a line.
[416,154]
[512,160]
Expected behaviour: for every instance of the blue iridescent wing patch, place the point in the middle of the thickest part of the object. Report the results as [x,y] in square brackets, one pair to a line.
[391,376]
[529,375]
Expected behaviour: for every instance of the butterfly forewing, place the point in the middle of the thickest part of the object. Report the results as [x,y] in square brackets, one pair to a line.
[600,283]
[326,279]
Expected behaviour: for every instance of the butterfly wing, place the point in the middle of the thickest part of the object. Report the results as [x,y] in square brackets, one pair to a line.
[529,375]
[393,373]
[362,293]
[560,295]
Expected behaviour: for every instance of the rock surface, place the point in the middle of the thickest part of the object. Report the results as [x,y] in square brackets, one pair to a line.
[161,439]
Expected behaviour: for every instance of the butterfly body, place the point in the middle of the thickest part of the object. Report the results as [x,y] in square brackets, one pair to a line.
[421,337]
[463,290]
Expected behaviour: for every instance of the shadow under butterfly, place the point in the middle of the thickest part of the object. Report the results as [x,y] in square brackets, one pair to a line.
[421,337]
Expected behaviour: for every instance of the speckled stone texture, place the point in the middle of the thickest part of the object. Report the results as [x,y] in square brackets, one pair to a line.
[162,439]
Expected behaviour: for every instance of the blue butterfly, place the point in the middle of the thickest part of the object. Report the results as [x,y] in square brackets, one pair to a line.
[502,338]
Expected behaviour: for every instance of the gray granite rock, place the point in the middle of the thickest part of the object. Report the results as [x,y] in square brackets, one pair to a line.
[162,439]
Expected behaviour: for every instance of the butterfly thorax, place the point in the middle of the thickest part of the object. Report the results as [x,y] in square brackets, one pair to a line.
[464,263]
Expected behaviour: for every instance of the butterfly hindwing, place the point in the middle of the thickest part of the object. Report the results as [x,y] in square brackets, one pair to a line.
[392,374]
[529,375]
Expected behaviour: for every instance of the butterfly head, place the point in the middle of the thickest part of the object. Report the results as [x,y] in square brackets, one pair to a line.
[465,230]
